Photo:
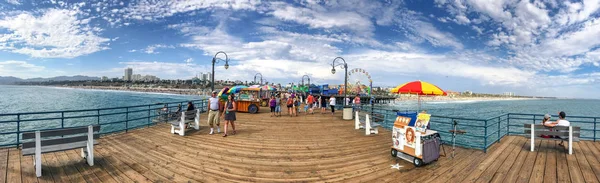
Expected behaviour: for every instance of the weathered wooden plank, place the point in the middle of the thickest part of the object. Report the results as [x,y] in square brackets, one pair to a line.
[114,172]
[562,167]
[551,164]
[527,168]
[476,171]
[81,165]
[489,173]
[68,165]
[505,167]
[537,173]
[513,173]
[58,173]
[14,166]
[584,165]
[127,160]
[574,170]
[3,164]
[28,170]
[47,174]
[593,156]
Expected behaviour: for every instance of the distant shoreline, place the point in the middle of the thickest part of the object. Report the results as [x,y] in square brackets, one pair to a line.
[141,90]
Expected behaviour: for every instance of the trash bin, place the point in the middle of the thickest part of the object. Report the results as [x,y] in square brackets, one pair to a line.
[347,114]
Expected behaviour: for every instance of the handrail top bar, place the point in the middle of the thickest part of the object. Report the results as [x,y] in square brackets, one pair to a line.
[526,114]
[99,109]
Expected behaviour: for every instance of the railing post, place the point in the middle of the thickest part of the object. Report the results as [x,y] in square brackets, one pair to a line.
[485,137]
[508,124]
[98,113]
[595,129]
[126,119]
[62,120]
[18,129]
[147,125]
[498,129]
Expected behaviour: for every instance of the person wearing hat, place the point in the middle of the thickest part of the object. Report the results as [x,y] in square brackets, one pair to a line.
[562,121]
[213,112]
[546,121]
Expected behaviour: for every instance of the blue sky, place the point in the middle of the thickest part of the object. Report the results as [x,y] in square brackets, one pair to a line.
[539,47]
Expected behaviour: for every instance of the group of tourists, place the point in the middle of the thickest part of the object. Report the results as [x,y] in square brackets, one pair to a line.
[293,102]
[227,113]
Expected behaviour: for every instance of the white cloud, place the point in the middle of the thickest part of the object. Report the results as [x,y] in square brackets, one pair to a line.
[324,18]
[54,34]
[14,2]
[152,48]
[154,10]
[20,69]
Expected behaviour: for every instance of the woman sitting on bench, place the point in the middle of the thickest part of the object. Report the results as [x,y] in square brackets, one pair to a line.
[560,122]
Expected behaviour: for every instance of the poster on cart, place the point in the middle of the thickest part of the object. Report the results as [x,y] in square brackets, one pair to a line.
[422,122]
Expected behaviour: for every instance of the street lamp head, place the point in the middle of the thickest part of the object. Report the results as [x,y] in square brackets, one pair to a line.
[333,70]
[226,66]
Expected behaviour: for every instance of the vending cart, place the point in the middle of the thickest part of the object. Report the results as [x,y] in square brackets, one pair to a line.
[413,141]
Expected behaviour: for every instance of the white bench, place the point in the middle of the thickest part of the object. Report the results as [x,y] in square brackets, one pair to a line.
[537,130]
[61,140]
[370,127]
[187,119]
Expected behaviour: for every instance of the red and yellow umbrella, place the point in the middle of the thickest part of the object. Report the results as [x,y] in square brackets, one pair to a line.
[419,88]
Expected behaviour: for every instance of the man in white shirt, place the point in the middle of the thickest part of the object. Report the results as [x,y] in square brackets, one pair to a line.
[560,122]
[213,112]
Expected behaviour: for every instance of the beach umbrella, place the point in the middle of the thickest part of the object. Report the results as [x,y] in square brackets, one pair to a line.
[236,89]
[419,88]
[268,88]
[223,94]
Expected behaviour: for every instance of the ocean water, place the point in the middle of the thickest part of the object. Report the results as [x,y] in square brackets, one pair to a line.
[25,99]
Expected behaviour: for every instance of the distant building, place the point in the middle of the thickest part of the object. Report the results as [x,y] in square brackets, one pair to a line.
[136,77]
[468,92]
[128,74]
[205,76]
[508,94]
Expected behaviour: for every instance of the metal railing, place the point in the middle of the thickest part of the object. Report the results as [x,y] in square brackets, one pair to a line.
[112,120]
[482,133]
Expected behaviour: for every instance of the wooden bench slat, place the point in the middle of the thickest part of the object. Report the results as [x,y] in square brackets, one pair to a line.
[538,133]
[55,148]
[539,126]
[65,140]
[60,132]
[575,139]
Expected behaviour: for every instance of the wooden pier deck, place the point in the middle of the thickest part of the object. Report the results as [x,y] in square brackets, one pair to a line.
[308,148]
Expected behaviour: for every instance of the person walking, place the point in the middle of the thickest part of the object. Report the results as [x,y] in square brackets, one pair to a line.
[213,113]
[272,104]
[357,102]
[290,105]
[278,106]
[310,100]
[332,104]
[229,114]
[323,102]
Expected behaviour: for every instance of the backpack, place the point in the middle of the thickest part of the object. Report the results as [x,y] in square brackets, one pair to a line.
[289,101]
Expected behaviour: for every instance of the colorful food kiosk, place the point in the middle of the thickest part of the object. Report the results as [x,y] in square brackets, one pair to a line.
[248,100]
[412,141]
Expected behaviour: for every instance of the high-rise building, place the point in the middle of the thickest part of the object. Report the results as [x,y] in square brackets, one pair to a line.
[128,74]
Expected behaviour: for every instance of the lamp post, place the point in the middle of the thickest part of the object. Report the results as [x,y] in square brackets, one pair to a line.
[345,66]
[260,78]
[216,60]
[308,80]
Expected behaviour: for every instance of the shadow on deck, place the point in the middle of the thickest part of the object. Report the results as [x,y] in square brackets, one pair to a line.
[306,148]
